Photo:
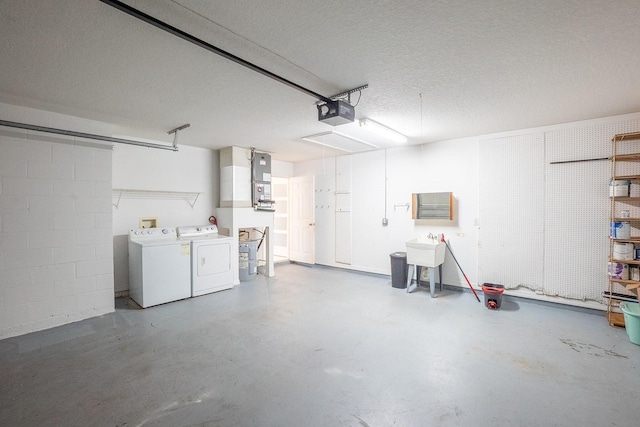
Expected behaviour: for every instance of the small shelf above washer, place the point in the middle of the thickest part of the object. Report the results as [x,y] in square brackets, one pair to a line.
[125,193]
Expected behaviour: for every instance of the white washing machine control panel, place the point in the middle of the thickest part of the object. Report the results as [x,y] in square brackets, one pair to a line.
[152,233]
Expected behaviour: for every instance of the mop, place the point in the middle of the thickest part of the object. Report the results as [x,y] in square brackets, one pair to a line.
[458,264]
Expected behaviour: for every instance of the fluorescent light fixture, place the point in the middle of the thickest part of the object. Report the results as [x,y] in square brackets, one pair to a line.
[381,129]
[340,141]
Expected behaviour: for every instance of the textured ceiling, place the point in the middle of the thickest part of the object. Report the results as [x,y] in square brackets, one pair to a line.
[436,70]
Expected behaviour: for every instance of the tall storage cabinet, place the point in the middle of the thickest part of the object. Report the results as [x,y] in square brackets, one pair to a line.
[624,227]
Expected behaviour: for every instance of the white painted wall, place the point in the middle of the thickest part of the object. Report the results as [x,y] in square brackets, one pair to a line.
[444,166]
[56,255]
[190,169]
[281,169]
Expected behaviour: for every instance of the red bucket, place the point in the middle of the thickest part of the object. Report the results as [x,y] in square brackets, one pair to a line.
[492,295]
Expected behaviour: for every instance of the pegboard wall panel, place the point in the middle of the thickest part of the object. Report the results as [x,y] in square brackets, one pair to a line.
[577,209]
[576,229]
[511,211]
[545,226]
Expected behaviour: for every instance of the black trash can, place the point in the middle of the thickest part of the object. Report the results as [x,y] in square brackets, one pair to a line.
[399,270]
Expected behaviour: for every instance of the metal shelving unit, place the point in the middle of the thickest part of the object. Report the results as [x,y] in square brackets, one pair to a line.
[625,165]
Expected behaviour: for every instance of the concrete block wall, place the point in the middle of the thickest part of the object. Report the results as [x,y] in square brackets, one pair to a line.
[56,247]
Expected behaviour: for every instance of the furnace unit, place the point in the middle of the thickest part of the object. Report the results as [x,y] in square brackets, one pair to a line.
[261,196]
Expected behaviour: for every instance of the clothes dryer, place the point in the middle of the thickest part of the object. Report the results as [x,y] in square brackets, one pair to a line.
[159,266]
[211,269]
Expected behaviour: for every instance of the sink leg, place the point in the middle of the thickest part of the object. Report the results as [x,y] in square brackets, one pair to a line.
[409,276]
[440,276]
[432,281]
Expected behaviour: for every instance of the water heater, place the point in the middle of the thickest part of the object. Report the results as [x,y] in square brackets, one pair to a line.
[261,196]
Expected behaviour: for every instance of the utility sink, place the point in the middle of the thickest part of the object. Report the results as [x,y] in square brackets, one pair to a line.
[425,252]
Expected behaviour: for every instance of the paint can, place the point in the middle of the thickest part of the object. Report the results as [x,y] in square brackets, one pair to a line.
[623,251]
[619,188]
[619,230]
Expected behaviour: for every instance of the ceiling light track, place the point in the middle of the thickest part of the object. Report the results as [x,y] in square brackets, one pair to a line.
[201,43]
[88,135]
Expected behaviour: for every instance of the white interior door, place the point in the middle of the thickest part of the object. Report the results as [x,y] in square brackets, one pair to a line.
[302,219]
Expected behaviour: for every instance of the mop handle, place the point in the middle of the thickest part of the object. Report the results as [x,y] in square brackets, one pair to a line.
[461,270]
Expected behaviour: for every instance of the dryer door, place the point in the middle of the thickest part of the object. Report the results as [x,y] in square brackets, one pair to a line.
[213,259]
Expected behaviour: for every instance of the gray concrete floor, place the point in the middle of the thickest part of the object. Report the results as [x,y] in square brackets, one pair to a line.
[324,347]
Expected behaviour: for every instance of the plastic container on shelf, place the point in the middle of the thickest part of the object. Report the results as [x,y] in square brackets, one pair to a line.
[619,188]
[620,229]
[619,271]
[623,251]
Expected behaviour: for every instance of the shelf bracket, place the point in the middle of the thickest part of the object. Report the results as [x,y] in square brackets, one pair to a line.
[192,204]
[117,203]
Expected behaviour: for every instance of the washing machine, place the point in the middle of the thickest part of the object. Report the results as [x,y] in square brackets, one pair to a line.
[159,266]
[211,269]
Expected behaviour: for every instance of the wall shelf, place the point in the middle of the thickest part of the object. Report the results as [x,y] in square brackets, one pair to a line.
[124,193]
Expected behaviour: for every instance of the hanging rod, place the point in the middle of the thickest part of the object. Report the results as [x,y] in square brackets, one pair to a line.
[85,135]
[211,48]
[579,161]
